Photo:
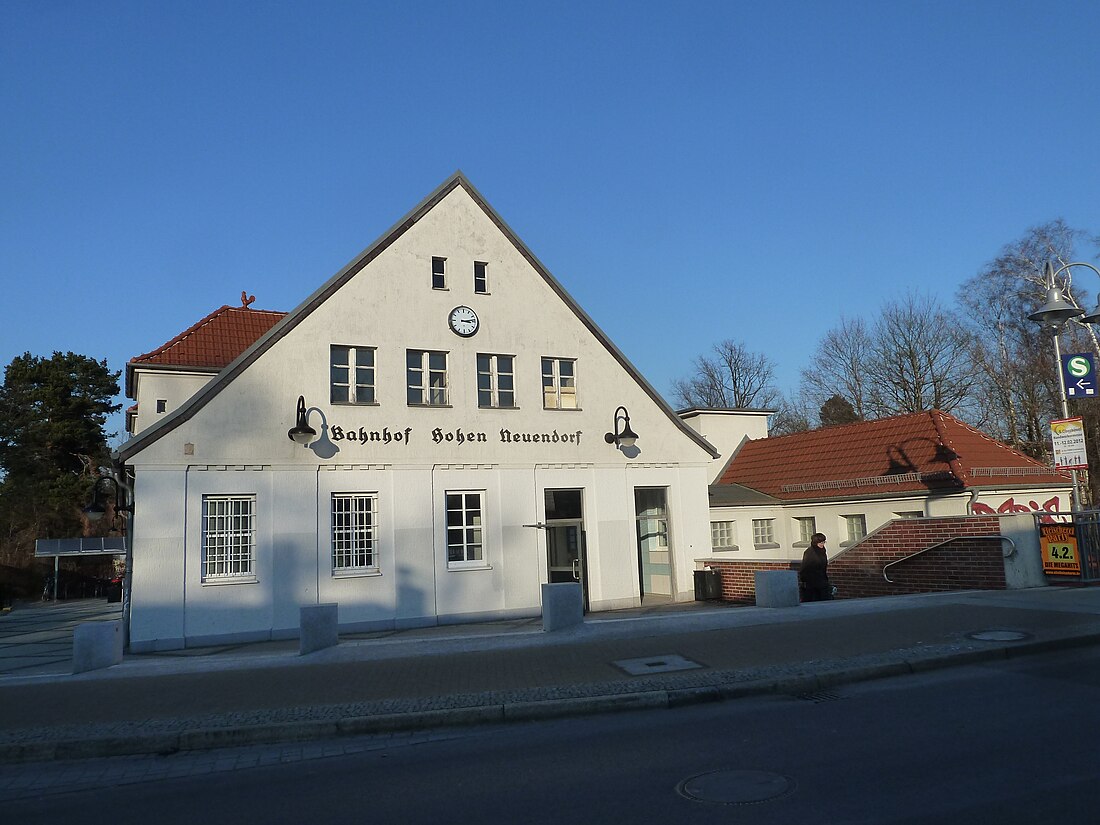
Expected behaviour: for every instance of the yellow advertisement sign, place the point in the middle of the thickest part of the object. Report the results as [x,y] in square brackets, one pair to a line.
[1058,547]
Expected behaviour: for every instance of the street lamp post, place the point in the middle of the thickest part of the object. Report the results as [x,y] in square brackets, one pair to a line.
[1051,316]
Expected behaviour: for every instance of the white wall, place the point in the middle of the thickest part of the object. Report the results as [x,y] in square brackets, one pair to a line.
[830,518]
[726,430]
[173,387]
[237,443]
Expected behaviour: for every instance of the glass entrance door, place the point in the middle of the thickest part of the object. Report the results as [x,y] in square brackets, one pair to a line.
[654,556]
[565,557]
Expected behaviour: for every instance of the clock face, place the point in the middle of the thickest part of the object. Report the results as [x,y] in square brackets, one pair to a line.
[463,321]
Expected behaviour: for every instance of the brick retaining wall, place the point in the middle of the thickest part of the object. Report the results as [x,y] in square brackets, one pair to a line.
[968,562]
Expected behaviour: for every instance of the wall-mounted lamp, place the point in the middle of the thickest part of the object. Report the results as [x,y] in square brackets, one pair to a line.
[301,432]
[624,436]
[108,484]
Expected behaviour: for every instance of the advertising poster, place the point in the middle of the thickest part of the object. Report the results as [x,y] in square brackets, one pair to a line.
[1058,547]
[1068,435]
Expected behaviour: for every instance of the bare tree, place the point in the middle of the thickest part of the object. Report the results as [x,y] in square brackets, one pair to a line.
[1015,353]
[839,366]
[921,358]
[732,377]
[915,356]
[792,415]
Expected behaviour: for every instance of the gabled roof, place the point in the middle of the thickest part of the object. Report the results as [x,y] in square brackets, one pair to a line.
[919,452]
[211,344]
[292,319]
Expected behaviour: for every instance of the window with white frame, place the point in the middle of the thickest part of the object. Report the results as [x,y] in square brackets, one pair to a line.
[559,384]
[723,535]
[228,537]
[465,544]
[351,373]
[807,526]
[427,378]
[354,533]
[481,278]
[439,273]
[495,381]
[856,526]
[763,531]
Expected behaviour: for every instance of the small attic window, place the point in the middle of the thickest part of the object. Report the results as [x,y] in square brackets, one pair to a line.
[162,405]
[439,273]
[481,280]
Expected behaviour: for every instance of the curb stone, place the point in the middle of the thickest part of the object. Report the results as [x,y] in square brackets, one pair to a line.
[496,713]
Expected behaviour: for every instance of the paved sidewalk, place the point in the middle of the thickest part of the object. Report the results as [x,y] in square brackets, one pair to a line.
[432,678]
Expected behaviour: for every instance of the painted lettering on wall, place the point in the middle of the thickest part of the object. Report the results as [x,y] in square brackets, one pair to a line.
[457,437]
[553,437]
[361,435]
[383,436]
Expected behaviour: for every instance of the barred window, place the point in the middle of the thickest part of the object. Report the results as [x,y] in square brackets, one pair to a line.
[857,527]
[723,535]
[228,536]
[807,526]
[763,531]
[465,546]
[354,532]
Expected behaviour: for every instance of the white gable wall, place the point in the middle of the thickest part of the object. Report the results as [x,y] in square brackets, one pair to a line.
[237,444]
[173,387]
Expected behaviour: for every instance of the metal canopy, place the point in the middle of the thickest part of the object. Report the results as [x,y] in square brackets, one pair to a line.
[111,545]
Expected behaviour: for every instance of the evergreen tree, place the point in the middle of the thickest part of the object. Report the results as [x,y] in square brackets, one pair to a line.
[52,417]
[837,410]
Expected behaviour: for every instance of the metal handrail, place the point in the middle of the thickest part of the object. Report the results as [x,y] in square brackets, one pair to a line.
[1008,555]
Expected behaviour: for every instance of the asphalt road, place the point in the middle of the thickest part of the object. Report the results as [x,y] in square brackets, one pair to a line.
[1012,742]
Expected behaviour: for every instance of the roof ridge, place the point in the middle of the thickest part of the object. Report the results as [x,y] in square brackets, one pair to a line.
[1000,444]
[195,327]
[834,427]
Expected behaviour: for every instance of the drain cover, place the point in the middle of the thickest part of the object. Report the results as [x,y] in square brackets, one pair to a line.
[728,787]
[999,635]
[655,664]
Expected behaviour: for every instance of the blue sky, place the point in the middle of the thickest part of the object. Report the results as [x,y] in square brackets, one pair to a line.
[690,172]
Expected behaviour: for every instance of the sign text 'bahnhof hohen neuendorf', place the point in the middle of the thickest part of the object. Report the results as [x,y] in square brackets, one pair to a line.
[362,435]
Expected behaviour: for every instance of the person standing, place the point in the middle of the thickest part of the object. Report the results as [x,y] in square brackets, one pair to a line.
[813,575]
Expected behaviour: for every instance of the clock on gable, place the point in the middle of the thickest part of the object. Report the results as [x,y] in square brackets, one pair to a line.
[463,321]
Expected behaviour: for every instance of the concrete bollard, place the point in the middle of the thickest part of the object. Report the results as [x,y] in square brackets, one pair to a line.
[562,606]
[319,627]
[776,588]
[97,645]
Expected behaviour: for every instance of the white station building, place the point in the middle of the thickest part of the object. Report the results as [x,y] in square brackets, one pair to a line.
[424,440]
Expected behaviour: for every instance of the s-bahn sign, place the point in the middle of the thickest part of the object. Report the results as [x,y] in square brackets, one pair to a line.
[1079,375]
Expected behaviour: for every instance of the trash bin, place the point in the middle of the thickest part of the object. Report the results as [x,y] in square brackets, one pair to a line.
[708,585]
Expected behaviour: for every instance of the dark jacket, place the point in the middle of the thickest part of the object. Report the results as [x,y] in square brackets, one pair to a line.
[814,571]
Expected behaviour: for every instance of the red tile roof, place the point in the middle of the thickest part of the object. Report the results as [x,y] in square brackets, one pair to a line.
[211,344]
[916,452]
[215,340]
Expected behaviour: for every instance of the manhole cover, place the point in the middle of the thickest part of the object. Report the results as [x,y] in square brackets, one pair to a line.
[655,664]
[999,635]
[728,787]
